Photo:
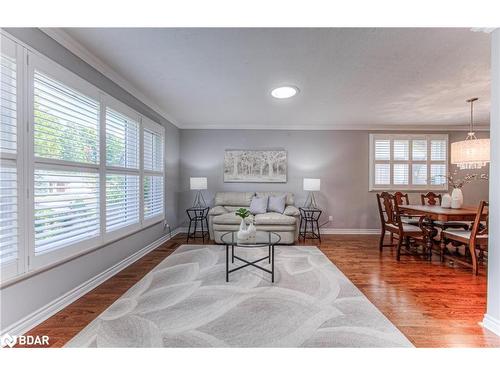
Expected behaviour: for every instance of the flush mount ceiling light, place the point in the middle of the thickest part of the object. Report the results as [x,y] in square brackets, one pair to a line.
[284,92]
[472,153]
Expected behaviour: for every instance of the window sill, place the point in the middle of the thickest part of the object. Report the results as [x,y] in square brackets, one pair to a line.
[7,282]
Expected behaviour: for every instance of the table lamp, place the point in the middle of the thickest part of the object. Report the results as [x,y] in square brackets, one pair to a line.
[311,185]
[198,184]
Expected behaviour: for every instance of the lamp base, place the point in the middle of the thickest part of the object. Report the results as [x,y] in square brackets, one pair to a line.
[311,201]
[199,201]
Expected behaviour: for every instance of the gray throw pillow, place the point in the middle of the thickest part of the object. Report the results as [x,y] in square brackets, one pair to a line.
[277,203]
[258,205]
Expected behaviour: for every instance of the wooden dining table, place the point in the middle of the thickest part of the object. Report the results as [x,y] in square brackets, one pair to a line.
[438,213]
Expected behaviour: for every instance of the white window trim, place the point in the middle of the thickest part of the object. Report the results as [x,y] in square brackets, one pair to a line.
[27,263]
[410,187]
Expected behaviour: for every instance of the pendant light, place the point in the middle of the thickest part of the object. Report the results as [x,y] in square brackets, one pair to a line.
[472,153]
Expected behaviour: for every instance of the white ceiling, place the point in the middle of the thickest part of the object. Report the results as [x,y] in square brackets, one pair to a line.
[348,78]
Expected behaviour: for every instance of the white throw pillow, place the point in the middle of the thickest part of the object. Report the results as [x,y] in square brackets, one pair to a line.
[276,203]
[258,205]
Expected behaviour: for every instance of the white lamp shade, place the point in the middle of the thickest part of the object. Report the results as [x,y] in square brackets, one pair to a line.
[312,184]
[471,153]
[198,183]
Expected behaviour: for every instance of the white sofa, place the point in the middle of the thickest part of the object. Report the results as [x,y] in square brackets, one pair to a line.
[221,218]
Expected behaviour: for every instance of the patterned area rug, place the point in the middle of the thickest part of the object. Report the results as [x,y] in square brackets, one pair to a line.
[186,302]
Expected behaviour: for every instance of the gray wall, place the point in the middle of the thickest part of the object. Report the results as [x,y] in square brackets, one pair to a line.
[24,297]
[339,158]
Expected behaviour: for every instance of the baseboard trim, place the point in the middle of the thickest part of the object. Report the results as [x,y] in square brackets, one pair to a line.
[348,231]
[491,324]
[39,316]
[325,231]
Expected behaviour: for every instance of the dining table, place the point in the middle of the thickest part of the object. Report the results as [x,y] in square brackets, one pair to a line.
[432,214]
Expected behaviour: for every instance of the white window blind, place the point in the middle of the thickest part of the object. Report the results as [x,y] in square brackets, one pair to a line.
[153,196]
[122,201]
[153,151]
[122,140]
[9,176]
[9,212]
[8,104]
[66,208]
[66,122]
[408,161]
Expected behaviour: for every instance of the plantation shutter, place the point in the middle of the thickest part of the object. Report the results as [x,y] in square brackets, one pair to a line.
[9,184]
[122,201]
[153,196]
[66,122]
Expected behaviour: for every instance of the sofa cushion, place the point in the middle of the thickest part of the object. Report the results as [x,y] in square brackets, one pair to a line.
[289,196]
[217,210]
[271,218]
[233,198]
[235,208]
[271,228]
[230,218]
[258,205]
[276,203]
[291,211]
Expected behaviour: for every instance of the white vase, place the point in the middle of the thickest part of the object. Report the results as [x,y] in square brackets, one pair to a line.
[446,201]
[243,232]
[457,198]
[252,233]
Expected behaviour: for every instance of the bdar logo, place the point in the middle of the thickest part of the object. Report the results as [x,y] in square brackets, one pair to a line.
[8,340]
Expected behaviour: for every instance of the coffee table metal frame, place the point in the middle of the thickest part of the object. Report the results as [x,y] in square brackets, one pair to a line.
[231,241]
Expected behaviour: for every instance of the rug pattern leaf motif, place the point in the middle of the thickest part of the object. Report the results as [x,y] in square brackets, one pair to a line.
[186,302]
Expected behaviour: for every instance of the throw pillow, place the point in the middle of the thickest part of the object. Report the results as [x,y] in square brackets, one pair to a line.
[276,203]
[258,205]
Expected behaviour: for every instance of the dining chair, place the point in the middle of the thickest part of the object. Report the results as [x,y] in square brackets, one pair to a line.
[390,216]
[430,199]
[402,198]
[433,199]
[475,239]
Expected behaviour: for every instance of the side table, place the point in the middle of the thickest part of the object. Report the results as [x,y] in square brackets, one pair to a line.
[309,223]
[198,220]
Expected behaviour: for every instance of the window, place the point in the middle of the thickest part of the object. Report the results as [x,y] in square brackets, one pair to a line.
[122,169]
[10,161]
[408,162]
[86,171]
[153,170]
[122,201]
[66,205]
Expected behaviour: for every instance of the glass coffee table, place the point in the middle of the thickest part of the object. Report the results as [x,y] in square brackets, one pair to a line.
[262,239]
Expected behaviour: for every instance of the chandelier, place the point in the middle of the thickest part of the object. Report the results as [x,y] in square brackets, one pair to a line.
[472,153]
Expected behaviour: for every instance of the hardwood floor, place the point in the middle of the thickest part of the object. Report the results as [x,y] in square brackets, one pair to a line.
[433,304]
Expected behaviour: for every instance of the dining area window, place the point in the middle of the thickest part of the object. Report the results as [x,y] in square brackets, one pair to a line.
[408,162]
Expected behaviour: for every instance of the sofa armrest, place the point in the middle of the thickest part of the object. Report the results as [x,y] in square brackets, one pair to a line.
[217,210]
[291,211]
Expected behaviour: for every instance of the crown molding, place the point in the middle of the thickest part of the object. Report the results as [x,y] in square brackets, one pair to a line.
[398,128]
[68,42]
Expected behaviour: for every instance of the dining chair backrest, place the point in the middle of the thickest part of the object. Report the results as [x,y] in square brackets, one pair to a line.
[401,198]
[389,209]
[478,229]
[431,199]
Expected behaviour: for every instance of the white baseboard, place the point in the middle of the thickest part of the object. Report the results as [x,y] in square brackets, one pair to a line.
[348,231]
[325,231]
[491,324]
[32,320]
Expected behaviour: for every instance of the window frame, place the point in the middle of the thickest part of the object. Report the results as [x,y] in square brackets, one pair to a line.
[410,162]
